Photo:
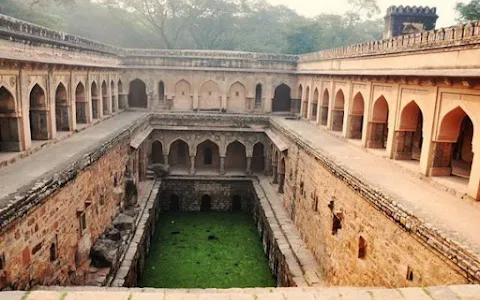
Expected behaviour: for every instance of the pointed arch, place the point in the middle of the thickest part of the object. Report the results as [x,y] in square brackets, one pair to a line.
[453,148]
[179,155]
[161,91]
[281,99]
[236,157]
[183,99]
[95,101]
[305,103]
[300,92]
[39,121]
[356,117]
[325,107]
[61,108]
[114,96]
[237,98]
[9,127]
[338,111]
[105,102]
[157,153]
[121,96]
[207,156]
[258,158]
[409,137]
[80,104]
[378,126]
[258,96]
[314,105]
[210,97]
[137,97]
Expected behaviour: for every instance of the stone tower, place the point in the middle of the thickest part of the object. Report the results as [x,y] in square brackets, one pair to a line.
[402,20]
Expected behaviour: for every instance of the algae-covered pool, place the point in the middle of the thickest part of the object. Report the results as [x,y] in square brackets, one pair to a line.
[206,250]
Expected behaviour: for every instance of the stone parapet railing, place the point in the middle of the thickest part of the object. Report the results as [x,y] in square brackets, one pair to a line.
[462,34]
[18,30]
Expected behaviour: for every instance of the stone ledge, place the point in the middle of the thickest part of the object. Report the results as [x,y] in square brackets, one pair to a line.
[471,292]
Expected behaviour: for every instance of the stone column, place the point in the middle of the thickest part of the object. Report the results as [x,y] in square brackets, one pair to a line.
[249,166]
[165,160]
[222,165]
[275,173]
[192,165]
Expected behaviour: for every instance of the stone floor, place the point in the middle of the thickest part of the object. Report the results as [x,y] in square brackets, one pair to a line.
[458,219]
[471,292]
[54,157]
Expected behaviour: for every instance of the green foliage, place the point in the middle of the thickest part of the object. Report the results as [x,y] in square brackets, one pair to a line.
[183,256]
[468,11]
[247,25]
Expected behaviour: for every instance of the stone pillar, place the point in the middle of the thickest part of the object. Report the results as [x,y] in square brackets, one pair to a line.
[249,166]
[281,182]
[192,165]
[222,165]
[165,159]
[442,157]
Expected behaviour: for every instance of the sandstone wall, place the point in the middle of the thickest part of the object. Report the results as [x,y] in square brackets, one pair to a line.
[48,246]
[315,192]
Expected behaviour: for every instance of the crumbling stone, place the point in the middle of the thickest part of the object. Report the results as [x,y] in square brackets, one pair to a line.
[123,222]
[104,253]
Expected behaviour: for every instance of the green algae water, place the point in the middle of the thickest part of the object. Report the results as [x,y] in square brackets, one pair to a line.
[206,250]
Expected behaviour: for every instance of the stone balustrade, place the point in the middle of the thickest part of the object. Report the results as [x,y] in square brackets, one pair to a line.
[462,34]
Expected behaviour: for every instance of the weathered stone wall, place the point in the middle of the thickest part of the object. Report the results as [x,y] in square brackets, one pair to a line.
[48,246]
[317,190]
[191,190]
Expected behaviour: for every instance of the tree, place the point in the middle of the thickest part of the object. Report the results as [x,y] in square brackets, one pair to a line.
[468,12]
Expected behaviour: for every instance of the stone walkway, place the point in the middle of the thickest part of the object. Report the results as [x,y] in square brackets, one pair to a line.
[457,218]
[458,292]
[49,159]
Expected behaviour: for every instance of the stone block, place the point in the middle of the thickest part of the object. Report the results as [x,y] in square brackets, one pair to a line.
[45,295]
[390,294]
[466,291]
[12,295]
[148,296]
[414,294]
[441,293]
[97,295]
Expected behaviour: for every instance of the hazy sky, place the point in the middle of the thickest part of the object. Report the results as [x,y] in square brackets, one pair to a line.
[310,8]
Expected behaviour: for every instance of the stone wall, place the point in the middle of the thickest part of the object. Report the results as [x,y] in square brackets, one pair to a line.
[191,191]
[357,236]
[48,245]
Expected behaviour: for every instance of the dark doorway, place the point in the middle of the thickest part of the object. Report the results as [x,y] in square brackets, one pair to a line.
[138,94]
[206,203]
[281,99]
[174,203]
[237,203]
[207,156]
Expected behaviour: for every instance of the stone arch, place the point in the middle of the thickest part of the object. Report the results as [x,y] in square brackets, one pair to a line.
[157,153]
[300,92]
[121,97]
[161,91]
[237,98]
[95,100]
[409,137]
[236,157]
[258,158]
[9,130]
[179,155]
[281,99]
[207,156]
[38,114]
[378,126]
[314,105]
[106,106]
[325,107]
[453,148]
[61,108]
[305,103]
[338,111]
[80,104]
[114,96]
[206,203]
[356,117]
[183,98]
[137,97]
[258,95]
[210,96]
